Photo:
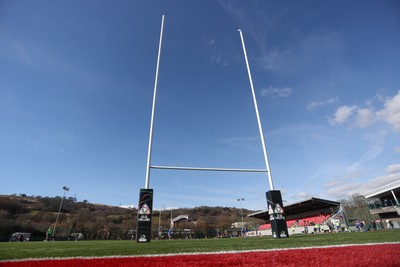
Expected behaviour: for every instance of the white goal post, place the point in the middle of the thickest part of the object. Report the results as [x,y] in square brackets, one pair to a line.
[149,166]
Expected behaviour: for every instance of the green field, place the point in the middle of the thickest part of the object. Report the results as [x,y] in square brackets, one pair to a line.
[20,250]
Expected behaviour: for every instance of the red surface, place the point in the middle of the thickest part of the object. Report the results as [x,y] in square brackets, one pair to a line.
[372,255]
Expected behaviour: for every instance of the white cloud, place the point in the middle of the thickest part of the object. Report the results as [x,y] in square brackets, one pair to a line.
[342,189]
[276,92]
[342,114]
[210,41]
[376,146]
[273,60]
[303,49]
[365,117]
[377,99]
[391,112]
[218,59]
[130,206]
[170,208]
[300,196]
[317,103]
[243,142]
[380,181]
[220,52]
[395,168]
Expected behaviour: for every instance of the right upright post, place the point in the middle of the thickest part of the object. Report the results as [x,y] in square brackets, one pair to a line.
[274,198]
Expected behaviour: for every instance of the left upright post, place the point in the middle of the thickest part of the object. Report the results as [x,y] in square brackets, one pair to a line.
[145,207]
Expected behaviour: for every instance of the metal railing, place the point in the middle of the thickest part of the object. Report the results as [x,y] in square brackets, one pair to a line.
[383,204]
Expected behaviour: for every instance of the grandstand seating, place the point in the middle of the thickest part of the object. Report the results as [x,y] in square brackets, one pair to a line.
[319,219]
[291,223]
[266,226]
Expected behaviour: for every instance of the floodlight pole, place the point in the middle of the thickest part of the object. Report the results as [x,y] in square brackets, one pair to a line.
[153,108]
[58,213]
[159,225]
[241,210]
[271,185]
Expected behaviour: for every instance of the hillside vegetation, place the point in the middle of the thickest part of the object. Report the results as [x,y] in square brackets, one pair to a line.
[34,214]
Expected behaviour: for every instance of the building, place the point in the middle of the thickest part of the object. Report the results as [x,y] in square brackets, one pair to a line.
[384,202]
[301,217]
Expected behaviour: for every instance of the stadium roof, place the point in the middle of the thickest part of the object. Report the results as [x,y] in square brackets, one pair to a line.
[295,210]
[180,217]
[384,191]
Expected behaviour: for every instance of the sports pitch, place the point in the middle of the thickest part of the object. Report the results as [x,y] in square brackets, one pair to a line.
[62,249]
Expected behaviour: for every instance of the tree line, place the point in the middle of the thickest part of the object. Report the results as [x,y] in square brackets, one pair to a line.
[34,214]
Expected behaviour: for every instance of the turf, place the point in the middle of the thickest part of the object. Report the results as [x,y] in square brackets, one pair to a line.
[21,250]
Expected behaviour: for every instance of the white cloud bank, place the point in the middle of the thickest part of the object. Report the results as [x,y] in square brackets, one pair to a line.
[395,168]
[367,116]
[378,109]
[391,112]
[341,189]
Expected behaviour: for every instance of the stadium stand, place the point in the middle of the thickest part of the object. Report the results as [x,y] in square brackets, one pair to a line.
[383,201]
[309,221]
[291,223]
[266,226]
[319,219]
[304,209]
[307,213]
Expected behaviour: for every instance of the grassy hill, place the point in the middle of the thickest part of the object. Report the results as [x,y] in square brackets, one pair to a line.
[34,214]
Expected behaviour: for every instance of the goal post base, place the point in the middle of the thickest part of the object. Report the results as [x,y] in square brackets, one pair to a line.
[276,214]
[145,209]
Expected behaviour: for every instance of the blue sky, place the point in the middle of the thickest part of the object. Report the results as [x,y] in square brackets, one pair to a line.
[76,88]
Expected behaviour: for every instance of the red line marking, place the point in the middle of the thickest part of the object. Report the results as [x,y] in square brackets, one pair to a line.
[360,255]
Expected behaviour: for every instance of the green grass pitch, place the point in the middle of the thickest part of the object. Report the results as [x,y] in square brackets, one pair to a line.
[60,249]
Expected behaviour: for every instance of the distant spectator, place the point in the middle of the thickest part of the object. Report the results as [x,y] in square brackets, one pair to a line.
[170,233]
[331,227]
[49,233]
[362,224]
[391,224]
[338,225]
[357,225]
[373,223]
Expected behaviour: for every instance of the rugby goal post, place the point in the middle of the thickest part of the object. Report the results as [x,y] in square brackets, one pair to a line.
[145,207]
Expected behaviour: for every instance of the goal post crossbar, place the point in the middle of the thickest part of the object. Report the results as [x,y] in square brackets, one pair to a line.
[206,169]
